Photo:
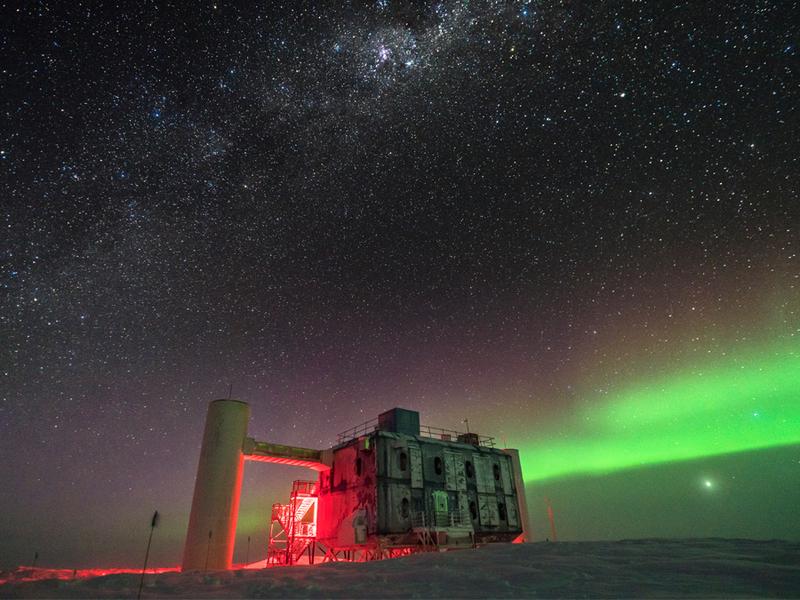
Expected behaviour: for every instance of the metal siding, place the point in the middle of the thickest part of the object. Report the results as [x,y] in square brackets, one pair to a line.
[396,522]
[461,472]
[511,512]
[383,506]
[430,454]
[494,511]
[520,503]
[450,478]
[505,475]
[463,503]
[440,503]
[483,474]
[487,508]
[396,449]
[483,511]
[415,459]
[473,497]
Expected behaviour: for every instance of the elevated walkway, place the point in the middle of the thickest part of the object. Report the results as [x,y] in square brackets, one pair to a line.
[317,460]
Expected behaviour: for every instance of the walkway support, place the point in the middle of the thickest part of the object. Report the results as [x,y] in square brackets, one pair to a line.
[215,505]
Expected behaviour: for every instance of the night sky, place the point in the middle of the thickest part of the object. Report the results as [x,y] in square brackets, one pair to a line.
[573,222]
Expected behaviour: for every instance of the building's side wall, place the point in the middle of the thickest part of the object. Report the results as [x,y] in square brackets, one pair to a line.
[519,484]
[347,495]
[377,484]
[477,481]
[400,482]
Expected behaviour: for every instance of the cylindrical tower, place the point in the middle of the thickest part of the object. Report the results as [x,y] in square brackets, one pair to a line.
[215,505]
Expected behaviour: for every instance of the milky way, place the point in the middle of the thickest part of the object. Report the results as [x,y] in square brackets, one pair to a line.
[501,211]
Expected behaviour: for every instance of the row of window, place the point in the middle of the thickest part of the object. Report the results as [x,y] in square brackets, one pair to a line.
[438,466]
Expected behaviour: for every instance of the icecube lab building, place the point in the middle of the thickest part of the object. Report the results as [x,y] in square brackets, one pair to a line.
[389,487]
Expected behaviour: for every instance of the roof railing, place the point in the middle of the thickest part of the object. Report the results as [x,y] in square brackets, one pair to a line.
[363,429]
[427,431]
[302,487]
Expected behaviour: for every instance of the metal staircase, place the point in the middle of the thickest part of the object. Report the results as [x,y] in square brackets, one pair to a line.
[302,508]
[293,527]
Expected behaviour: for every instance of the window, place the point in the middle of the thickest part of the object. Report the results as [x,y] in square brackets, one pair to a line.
[469,469]
[473,510]
[501,511]
[437,465]
[496,471]
[358,467]
[402,461]
[404,508]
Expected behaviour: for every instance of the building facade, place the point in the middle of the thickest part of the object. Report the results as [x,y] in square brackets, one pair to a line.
[389,484]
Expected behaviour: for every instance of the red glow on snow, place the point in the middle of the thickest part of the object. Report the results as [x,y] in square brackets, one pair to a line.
[23,573]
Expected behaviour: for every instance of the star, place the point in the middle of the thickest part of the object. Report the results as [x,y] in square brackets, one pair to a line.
[444,205]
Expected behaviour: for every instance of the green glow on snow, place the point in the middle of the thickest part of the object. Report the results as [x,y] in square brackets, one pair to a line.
[730,406]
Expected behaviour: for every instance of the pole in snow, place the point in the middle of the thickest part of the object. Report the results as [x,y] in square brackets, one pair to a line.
[35,558]
[247,554]
[153,523]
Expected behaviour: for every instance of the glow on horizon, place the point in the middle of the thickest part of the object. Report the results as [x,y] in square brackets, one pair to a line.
[729,406]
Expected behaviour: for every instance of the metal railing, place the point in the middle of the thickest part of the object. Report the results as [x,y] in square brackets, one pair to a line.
[303,529]
[301,487]
[440,519]
[452,435]
[357,431]
[280,512]
[428,431]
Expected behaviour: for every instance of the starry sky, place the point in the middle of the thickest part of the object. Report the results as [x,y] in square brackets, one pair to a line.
[573,222]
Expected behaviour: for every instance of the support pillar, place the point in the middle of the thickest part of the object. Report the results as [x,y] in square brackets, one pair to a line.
[519,484]
[211,534]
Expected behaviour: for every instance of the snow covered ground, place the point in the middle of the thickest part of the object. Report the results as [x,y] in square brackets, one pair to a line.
[634,568]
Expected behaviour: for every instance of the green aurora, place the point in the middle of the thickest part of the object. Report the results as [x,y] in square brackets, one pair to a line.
[731,405]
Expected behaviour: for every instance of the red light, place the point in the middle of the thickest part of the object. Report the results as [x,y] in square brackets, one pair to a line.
[22,573]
